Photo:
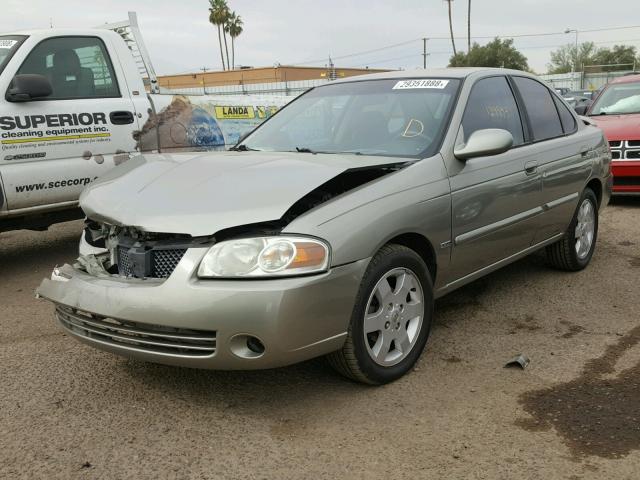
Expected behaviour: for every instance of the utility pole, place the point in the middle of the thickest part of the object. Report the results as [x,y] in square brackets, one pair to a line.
[424,53]
[468,27]
[332,74]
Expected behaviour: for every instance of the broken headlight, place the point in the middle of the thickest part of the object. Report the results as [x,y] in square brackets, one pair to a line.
[265,257]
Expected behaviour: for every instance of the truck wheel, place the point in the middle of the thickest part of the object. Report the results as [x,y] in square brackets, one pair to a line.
[391,318]
[574,251]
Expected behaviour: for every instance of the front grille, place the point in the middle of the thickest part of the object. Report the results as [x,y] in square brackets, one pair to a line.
[163,261]
[125,267]
[625,149]
[626,181]
[180,342]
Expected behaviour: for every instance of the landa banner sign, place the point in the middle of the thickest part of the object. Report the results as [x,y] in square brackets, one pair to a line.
[244,112]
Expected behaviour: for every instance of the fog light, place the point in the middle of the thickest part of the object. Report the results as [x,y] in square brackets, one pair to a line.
[246,346]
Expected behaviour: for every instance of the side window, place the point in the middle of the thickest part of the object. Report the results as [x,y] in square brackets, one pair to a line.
[541,109]
[492,105]
[566,118]
[77,67]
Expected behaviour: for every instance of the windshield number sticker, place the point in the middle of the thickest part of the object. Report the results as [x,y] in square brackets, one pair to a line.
[431,83]
[7,43]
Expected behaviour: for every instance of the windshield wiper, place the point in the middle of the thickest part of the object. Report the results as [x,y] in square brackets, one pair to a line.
[304,150]
[241,147]
[308,150]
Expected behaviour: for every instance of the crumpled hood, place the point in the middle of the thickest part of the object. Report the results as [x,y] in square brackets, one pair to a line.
[619,127]
[200,194]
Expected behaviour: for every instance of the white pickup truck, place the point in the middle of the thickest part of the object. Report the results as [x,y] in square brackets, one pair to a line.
[73,104]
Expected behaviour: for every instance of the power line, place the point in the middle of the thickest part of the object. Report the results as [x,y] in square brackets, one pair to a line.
[365,52]
[476,37]
[450,52]
[414,55]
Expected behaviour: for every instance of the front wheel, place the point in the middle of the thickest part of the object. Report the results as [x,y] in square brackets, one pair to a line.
[574,251]
[391,319]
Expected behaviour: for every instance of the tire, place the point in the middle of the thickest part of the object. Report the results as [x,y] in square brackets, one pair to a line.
[409,330]
[569,253]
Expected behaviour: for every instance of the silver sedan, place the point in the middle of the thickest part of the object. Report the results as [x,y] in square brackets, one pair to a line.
[332,227]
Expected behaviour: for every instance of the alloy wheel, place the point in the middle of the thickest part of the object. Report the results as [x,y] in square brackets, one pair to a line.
[393,317]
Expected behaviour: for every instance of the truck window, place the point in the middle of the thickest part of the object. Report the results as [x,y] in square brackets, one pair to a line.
[77,67]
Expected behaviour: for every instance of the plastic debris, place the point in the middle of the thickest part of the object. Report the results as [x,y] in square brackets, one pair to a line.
[519,360]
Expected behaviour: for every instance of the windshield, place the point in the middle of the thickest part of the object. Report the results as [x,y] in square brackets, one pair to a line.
[8,45]
[404,118]
[618,99]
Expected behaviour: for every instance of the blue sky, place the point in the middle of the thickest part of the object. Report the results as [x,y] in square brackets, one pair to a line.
[180,39]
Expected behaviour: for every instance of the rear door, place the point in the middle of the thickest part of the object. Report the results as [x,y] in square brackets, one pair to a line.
[495,199]
[53,147]
[563,155]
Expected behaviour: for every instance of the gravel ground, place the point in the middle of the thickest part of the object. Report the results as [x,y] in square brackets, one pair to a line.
[69,411]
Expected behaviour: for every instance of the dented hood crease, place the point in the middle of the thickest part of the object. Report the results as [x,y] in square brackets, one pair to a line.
[200,194]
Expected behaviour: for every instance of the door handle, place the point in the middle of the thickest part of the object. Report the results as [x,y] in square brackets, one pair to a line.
[530,168]
[121,117]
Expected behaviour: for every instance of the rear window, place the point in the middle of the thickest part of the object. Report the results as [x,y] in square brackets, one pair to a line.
[541,109]
[568,121]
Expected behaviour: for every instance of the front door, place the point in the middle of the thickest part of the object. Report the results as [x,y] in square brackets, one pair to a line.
[495,199]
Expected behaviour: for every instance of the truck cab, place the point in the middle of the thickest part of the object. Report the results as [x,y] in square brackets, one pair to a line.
[71,104]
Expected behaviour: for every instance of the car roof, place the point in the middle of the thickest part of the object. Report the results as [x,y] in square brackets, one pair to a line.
[626,79]
[451,72]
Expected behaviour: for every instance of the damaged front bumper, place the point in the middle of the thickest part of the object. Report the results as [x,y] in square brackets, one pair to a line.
[213,324]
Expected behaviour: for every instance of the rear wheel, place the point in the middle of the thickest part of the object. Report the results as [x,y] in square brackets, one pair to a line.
[574,251]
[391,319]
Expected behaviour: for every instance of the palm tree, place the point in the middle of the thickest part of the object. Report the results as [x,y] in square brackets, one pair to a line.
[453,43]
[225,23]
[234,28]
[218,13]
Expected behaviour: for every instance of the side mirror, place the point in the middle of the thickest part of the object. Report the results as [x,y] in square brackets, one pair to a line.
[27,87]
[581,109]
[489,141]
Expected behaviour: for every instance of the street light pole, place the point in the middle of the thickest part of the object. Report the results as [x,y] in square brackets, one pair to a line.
[575,63]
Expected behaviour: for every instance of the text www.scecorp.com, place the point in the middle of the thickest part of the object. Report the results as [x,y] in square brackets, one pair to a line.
[54,184]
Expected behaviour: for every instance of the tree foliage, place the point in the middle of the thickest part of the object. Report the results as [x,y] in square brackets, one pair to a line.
[497,53]
[567,57]
[227,22]
[234,28]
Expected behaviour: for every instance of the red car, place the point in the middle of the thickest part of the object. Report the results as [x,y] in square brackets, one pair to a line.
[617,111]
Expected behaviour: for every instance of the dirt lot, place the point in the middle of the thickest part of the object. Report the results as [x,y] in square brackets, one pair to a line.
[68,411]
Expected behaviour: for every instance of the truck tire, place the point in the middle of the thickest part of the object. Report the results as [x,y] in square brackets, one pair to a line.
[391,318]
[574,251]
